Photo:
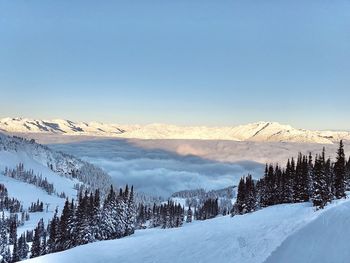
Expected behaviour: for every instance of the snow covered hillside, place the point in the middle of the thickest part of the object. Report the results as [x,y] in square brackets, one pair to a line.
[63,170]
[259,131]
[326,239]
[249,238]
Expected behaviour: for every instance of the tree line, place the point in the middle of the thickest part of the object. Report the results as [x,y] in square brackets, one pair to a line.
[86,220]
[319,181]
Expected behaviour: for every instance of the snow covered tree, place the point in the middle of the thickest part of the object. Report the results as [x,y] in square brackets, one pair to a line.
[39,240]
[347,174]
[251,201]
[13,230]
[189,215]
[339,173]
[52,242]
[15,252]
[131,213]
[66,227]
[3,236]
[23,247]
[240,205]
[320,188]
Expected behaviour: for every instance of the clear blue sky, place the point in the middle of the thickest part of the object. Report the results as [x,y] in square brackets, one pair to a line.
[177,61]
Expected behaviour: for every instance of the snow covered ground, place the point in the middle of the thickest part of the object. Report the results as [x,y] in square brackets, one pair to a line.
[249,238]
[326,239]
[26,194]
[11,159]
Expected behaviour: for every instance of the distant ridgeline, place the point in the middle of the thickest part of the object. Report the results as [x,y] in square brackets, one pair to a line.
[319,181]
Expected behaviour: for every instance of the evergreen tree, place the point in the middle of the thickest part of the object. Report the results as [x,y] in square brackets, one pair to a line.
[288,185]
[65,227]
[6,258]
[189,215]
[347,174]
[339,173]
[130,217]
[43,246]
[3,236]
[36,245]
[15,252]
[52,242]
[23,247]
[240,205]
[13,230]
[251,201]
[320,188]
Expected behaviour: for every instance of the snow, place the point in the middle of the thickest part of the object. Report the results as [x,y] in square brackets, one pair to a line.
[259,131]
[326,239]
[35,157]
[26,194]
[249,238]
[12,159]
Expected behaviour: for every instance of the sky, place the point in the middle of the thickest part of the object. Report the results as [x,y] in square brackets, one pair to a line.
[186,62]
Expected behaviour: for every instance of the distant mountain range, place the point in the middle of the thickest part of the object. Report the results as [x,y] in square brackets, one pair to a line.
[259,131]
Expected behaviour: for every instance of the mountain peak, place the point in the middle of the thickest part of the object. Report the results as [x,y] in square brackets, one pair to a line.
[264,131]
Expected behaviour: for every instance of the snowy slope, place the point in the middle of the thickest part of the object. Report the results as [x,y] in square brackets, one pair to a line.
[56,166]
[12,159]
[260,131]
[249,238]
[27,193]
[327,239]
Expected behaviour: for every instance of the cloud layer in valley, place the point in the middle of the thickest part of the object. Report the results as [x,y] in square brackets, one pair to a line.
[157,171]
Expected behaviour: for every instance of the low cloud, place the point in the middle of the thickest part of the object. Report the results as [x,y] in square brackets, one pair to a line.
[159,172]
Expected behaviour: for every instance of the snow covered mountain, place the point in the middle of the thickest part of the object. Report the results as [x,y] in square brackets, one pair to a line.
[260,131]
[62,169]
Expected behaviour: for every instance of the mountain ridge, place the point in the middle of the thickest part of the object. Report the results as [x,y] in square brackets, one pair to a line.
[262,131]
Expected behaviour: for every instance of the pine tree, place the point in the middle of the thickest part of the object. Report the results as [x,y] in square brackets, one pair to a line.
[15,252]
[52,242]
[240,205]
[65,227]
[339,173]
[189,215]
[13,231]
[130,217]
[250,194]
[320,188]
[305,181]
[288,185]
[36,245]
[298,182]
[23,247]
[3,236]
[6,258]
[43,246]
[271,187]
[347,174]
